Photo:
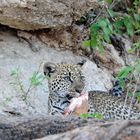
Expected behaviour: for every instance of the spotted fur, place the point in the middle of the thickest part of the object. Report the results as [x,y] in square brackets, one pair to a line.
[111,107]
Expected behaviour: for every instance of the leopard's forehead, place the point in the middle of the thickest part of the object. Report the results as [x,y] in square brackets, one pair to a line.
[66,65]
[64,68]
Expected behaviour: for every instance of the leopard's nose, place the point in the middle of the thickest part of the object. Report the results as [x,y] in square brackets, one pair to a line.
[78,86]
[78,90]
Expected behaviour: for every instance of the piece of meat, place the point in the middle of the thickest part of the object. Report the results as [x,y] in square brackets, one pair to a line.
[78,105]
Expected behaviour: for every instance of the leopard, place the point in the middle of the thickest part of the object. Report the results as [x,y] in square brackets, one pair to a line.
[66,81]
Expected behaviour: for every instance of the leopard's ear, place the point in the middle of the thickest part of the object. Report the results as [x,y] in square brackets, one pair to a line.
[81,63]
[49,68]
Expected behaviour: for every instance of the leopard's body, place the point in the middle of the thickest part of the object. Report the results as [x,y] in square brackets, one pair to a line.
[111,107]
[67,81]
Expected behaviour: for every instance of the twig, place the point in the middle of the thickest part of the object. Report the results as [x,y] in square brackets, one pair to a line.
[103,7]
[30,86]
[133,93]
[113,4]
[20,85]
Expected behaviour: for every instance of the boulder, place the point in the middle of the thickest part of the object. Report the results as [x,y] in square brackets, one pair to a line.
[39,14]
[68,128]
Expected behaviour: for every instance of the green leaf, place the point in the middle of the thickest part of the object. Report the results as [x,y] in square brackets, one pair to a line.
[102,23]
[136,45]
[138,95]
[14,72]
[86,43]
[130,94]
[130,30]
[94,28]
[131,50]
[109,1]
[36,79]
[124,72]
[106,34]
[94,41]
[84,116]
[118,25]
[128,22]
[122,83]
[97,115]
[94,115]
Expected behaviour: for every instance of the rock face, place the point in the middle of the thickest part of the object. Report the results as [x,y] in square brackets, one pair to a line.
[117,130]
[67,128]
[36,127]
[38,14]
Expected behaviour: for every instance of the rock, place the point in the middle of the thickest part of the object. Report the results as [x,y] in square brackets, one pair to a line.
[131,56]
[36,127]
[123,44]
[96,78]
[109,58]
[60,39]
[38,14]
[117,130]
[31,39]
[67,128]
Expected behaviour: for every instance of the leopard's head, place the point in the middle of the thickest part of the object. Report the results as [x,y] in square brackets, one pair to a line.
[65,79]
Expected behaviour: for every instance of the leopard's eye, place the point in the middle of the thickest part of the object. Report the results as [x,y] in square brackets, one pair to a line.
[68,78]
